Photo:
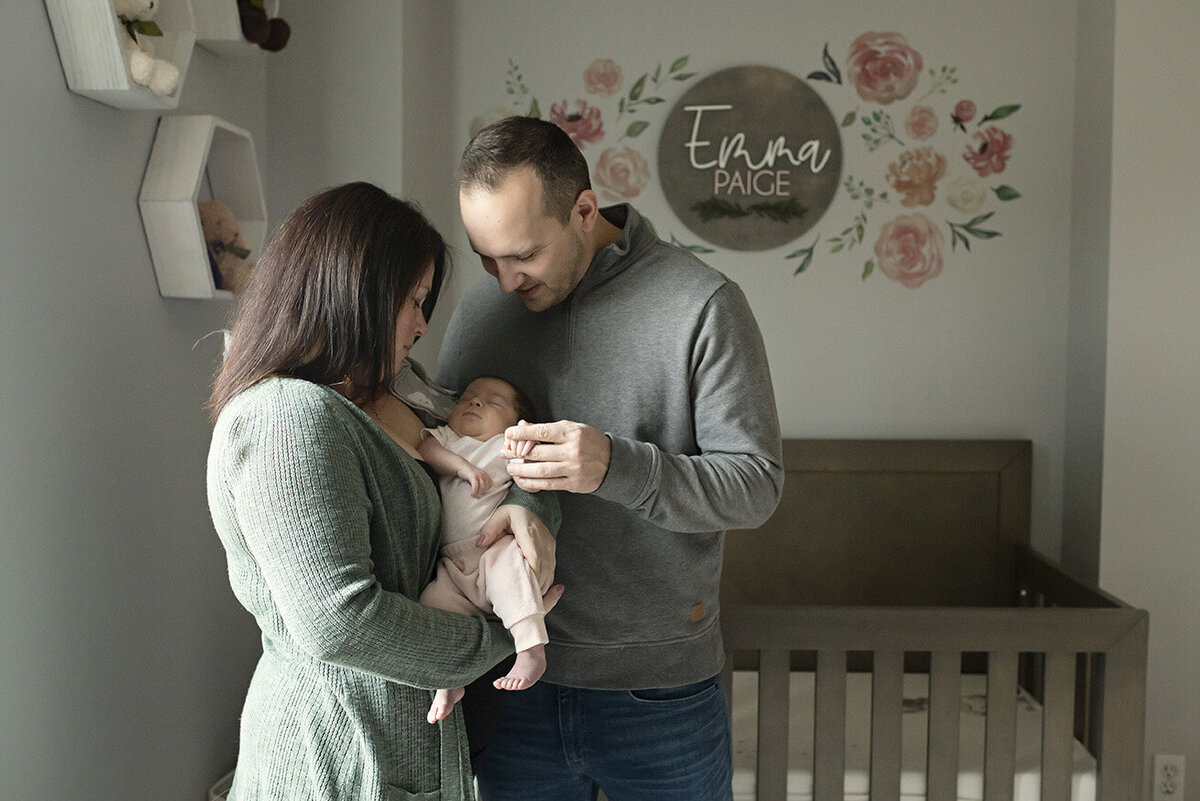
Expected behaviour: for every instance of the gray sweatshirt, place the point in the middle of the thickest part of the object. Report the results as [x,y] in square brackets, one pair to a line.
[663,354]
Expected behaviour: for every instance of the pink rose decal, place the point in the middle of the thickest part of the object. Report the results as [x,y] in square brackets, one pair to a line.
[909,250]
[964,110]
[581,121]
[915,175]
[988,153]
[883,67]
[602,77]
[621,173]
[922,123]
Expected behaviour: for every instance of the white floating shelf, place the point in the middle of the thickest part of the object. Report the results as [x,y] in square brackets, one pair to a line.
[219,29]
[198,157]
[89,37]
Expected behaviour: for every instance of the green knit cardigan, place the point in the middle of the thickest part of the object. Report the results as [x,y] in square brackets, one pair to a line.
[331,532]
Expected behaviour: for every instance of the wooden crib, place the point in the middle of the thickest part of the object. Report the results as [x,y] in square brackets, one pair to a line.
[894,560]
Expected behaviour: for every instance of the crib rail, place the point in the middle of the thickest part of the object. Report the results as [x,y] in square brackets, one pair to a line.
[1114,640]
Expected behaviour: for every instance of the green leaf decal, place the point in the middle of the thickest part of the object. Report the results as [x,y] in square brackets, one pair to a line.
[1001,113]
[636,128]
[1006,192]
[805,255]
[959,231]
[535,110]
[830,65]
[679,63]
[636,92]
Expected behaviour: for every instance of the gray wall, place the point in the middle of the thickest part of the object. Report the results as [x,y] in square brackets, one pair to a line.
[124,657]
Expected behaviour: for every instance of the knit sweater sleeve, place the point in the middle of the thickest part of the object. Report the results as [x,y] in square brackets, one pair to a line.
[736,479]
[297,485]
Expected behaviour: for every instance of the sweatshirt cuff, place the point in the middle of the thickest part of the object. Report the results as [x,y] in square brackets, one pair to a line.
[633,469]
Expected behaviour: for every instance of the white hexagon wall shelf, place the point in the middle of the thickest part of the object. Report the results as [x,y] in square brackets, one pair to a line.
[89,36]
[194,158]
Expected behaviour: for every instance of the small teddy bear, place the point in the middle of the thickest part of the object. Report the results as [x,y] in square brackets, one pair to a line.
[269,33]
[157,74]
[226,251]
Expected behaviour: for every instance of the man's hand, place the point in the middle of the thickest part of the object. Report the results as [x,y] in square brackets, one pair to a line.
[564,456]
[533,538]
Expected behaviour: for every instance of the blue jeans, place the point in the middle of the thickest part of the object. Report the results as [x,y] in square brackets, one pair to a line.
[558,743]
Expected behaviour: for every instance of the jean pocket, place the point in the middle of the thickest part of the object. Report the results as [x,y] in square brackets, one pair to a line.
[684,692]
[392,792]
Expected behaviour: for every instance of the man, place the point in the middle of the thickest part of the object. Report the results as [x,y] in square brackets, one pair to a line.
[659,359]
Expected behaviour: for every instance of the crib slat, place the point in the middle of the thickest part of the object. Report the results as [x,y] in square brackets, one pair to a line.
[945,703]
[887,706]
[1000,739]
[1058,725]
[773,708]
[829,739]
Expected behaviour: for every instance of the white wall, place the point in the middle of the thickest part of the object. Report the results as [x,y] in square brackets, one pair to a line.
[1150,551]
[124,657]
[362,93]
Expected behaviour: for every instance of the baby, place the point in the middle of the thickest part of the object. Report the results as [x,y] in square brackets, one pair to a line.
[466,453]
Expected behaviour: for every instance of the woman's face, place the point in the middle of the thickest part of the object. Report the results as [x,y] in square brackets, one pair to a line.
[411,323]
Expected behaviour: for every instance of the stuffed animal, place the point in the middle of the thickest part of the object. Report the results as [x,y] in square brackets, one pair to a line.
[226,251]
[137,18]
[259,27]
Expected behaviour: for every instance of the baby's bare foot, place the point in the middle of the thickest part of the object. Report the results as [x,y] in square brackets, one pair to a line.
[443,704]
[528,668]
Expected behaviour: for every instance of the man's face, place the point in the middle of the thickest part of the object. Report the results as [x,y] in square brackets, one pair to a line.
[527,251]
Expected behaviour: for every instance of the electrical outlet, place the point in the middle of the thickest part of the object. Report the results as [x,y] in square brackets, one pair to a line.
[1168,778]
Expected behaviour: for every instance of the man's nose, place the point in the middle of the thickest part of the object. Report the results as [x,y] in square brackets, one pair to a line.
[508,278]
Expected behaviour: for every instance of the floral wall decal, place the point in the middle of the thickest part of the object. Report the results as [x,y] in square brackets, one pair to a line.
[928,171]
[581,121]
[882,67]
[602,77]
[621,173]
[885,70]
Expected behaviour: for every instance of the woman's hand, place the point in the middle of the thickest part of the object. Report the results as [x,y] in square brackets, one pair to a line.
[533,538]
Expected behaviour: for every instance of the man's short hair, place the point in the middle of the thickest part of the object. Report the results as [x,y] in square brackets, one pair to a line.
[515,142]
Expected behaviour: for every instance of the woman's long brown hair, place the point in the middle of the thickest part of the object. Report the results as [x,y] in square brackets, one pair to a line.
[323,298]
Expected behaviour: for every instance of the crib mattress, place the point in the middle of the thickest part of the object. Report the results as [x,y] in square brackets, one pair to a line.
[1027,782]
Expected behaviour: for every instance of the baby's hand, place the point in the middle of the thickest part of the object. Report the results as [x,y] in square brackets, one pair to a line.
[480,481]
[517,448]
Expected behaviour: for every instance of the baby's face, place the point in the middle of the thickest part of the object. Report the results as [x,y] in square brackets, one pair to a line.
[486,407]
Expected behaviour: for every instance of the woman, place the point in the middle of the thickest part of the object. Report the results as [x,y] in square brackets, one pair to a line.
[329,523]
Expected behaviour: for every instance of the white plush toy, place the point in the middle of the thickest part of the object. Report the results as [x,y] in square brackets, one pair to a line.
[158,74]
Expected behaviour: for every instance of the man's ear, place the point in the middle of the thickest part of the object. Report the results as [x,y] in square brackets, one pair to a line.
[587,206]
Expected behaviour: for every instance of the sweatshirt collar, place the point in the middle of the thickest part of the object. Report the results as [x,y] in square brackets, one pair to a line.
[636,236]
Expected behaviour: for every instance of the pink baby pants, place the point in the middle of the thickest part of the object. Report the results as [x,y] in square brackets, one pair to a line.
[470,579]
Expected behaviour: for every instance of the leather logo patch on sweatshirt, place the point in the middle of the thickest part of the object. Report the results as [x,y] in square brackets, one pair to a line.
[698,613]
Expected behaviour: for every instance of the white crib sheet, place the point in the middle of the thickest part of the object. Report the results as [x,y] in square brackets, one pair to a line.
[1027,783]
